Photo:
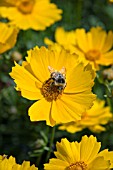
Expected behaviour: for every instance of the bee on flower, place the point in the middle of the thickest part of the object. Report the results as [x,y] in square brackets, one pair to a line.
[51,77]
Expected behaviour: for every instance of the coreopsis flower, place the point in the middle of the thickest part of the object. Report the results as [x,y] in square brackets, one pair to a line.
[51,77]
[35,14]
[10,164]
[96,45]
[8,37]
[92,119]
[84,155]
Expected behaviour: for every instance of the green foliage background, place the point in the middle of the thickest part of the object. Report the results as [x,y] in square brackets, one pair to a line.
[27,140]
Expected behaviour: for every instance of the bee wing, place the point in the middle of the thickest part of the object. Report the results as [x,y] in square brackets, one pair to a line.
[63,71]
[51,69]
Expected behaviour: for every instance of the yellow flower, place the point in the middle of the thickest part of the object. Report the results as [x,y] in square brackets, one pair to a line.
[80,156]
[35,14]
[96,45]
[93,119]
[51,77]
[93,46]
[8,36]
[10,164]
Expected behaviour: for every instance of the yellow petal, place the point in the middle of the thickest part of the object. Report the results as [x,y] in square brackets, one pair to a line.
[106,59]
[81,84]
[69,152]
[89,41]
[82,39]
[108,155]
[71,127]
[22,77]
[31,95]
[65,111]
[89,148]
[41,110]
[56,164]
[108,42]
[98,37]
[48,41]
[99,164]
[40,61]
[65,38]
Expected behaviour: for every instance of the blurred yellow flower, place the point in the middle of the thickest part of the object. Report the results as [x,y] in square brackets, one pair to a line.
[111,1]
[92,119]
[35,14]
[80,156]
[8,37]
[10,164]
[51,77]
[66,39]
[94,46]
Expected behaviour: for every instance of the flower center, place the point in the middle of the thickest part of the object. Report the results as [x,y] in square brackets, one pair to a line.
[92,55]
[53,88]
[77,166]
[25,6]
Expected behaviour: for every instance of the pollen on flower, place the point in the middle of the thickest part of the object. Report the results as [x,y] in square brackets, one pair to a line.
[92,55]
[53,88]
[77,166]
[25,6]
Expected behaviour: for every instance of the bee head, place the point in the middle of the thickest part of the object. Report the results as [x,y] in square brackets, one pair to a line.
[58,78]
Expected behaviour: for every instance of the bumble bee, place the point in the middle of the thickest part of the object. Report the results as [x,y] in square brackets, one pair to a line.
[58,77]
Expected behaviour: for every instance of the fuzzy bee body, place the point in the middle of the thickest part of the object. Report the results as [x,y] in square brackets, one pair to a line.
[57,78]
[53,88]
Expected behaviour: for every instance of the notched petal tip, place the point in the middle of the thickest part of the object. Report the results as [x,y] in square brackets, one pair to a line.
[88,67]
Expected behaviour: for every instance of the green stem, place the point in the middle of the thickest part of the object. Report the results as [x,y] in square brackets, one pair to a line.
[39,159]
[51,144]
